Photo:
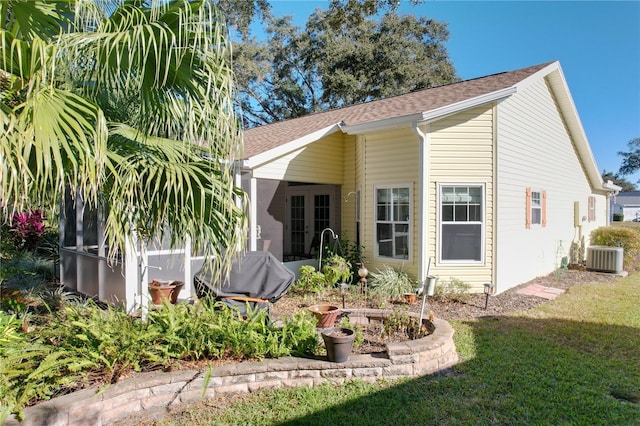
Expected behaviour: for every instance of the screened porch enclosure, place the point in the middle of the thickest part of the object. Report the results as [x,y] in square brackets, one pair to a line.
[85,267]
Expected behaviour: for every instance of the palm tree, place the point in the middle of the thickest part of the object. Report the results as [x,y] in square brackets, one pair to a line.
[129,105]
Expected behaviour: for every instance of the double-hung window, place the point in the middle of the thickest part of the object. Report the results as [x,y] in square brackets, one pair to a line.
[393,215]
[461,223]
[536,208]
[592,209]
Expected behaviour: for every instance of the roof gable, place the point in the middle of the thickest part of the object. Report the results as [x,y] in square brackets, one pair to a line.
[267,142]
[264,138]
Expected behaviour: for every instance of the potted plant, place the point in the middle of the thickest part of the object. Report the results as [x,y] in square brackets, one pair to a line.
[392,283]
[164,290]
[325,314]
[411,298]
[336,269]
[338,341]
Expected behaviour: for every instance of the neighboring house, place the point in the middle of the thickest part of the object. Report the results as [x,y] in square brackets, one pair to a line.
[491,178]
[628,204]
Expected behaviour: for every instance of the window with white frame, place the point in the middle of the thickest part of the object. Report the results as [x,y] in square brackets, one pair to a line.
[461,223]
[592,209]
[393,215]
[536,208]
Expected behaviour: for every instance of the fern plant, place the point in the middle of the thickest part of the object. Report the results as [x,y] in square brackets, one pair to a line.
[85,343]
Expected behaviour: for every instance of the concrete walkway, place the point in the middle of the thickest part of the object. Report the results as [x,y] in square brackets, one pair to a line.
[538,290]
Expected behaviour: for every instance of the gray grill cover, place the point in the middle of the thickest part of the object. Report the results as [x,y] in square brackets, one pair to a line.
[257,275]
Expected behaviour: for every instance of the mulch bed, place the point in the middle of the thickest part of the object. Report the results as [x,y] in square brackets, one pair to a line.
[467,307]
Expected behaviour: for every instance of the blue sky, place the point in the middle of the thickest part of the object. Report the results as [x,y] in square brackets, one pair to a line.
[596,42]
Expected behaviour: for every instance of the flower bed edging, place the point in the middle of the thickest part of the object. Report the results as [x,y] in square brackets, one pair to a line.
[162,390]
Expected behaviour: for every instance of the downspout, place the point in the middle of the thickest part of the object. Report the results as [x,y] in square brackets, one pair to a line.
[612,191]
[495,193]
[423,196]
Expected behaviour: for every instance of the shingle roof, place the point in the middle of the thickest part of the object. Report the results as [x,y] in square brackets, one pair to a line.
[261,139]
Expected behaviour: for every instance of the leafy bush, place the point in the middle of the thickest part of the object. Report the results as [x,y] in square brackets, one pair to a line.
[85,344]
[310,281]
[336,269]
[349,251]
[358,340]
[455,289]
[618,217]
[9,331]
[353,255]
[390,282]
[26,228]
[28,271]
[400,323]
[619,236]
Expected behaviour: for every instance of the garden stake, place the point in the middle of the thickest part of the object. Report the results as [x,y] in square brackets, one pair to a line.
[424,292]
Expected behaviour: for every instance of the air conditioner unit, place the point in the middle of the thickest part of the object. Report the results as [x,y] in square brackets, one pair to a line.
[605,259]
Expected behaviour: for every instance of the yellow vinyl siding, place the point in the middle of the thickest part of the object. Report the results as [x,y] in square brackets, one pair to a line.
[318,162]
[349,188]
[461,151]
[389,158]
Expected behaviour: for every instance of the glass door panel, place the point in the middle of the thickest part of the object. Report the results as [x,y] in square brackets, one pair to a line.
[297,224]
[308,213]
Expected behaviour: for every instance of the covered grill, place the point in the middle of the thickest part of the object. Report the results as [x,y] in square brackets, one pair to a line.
[256,279]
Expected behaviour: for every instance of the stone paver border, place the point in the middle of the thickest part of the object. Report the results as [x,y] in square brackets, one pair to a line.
[162,390]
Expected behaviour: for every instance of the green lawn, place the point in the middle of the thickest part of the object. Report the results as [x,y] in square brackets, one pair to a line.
[573,361]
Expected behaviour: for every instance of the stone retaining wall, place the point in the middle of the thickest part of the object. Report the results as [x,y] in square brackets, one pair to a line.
[161,390]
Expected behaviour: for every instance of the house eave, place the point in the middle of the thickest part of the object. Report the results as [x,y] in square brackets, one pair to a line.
[270,155]
[555,78]
[427,116]
[609,186]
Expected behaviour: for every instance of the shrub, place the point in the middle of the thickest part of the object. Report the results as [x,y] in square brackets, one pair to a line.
[619,236]
[358,340]
[310,281]
[28,271]
[618,217]
[85,344]
[336,270]
[456,289]
[400,323]
[26,228]
[390,282]
[353,255]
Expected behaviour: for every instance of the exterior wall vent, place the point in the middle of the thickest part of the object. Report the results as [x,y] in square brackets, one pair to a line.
[605,259]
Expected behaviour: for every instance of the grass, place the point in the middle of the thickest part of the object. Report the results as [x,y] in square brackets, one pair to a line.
[572,361]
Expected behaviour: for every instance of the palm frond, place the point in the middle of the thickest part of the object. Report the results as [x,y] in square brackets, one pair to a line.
[158,73]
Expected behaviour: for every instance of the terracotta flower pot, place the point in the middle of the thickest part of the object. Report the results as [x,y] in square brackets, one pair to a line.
[325,314]
[178,285]
[159,291]
[410,298]
[338,342]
